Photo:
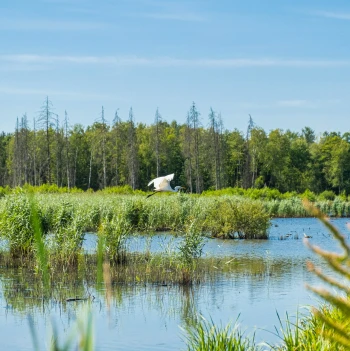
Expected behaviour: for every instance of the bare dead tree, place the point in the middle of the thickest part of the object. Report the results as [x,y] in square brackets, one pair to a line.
[221,149]
[118,145]
[25,147]
[67,148]
[16,157]
[247,177]
[34,152]
[59,150]
[103,144]
[213,129]
[132,154]
[46,120]
[188,152]
[194,119]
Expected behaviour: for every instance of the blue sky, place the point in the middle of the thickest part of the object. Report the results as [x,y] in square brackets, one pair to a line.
[286,63]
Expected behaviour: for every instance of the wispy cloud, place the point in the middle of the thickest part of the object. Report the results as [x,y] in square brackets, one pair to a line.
[21,24]
[336,15]
[171,61]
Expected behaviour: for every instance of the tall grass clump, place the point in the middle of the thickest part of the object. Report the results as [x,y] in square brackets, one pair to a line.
[66,232]
[40,249]
[193,241]
[113,233]
[301,335]
[234,217]
[16,224]
[204,335]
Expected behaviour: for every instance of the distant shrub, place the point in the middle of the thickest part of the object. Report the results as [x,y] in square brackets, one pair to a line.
[123,189]
[244,219]
[309,195]
[327,195]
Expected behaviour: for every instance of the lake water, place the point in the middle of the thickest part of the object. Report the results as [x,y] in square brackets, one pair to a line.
[151,317]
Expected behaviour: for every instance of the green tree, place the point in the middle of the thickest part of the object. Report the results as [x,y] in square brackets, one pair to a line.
[336,159]
[277,160]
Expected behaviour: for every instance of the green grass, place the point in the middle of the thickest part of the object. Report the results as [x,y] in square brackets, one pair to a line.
[64,218]
[204,335]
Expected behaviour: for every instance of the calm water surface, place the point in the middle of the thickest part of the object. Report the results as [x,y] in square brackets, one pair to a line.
[150,317]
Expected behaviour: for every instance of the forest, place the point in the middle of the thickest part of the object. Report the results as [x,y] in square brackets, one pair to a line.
[201,152]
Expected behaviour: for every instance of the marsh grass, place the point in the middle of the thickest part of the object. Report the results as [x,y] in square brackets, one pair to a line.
[64,218]
[204,335]
[113,234]
[40,250]
[300,335]
[234,217]
[15,223]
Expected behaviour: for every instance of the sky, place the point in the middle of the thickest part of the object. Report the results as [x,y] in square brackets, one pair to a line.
[285,63]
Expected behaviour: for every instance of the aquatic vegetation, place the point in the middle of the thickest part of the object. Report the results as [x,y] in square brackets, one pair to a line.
[191,247]
[66,217]
[15,224]
[190,250]
[301,335]
[204,335]
[237,218]
[113,233]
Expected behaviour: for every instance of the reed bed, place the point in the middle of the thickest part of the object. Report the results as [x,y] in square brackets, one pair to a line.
[64,218]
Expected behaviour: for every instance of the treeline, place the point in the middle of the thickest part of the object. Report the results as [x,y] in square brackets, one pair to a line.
[201,152]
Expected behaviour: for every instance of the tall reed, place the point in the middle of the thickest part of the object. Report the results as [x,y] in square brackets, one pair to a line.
[205,335]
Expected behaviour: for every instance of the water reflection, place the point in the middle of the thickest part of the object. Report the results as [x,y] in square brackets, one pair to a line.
[252,279]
